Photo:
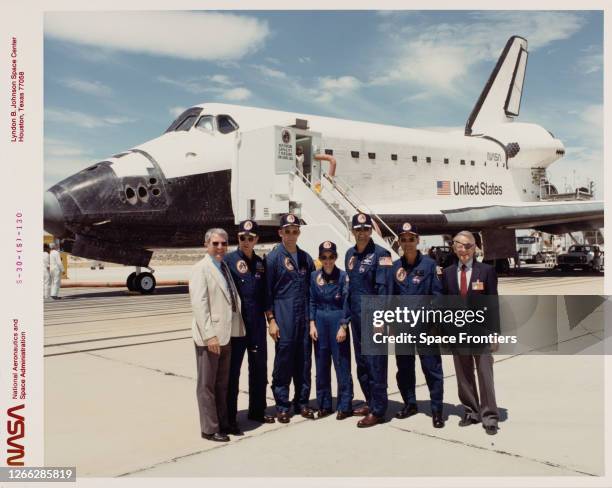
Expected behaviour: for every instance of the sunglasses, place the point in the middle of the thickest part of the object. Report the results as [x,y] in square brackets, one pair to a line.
[460,245]
[327,257]
[408,239]
[289,232]
[219,244]
[245,238]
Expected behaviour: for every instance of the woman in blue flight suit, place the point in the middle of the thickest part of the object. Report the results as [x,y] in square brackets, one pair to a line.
[328,293]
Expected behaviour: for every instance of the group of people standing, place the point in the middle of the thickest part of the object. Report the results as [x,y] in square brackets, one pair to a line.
[237,297]
[52,271]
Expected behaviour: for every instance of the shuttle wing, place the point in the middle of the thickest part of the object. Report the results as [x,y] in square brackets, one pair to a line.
[551,217]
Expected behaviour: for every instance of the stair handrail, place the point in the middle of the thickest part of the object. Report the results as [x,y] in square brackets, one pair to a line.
[360,205]
[296,173]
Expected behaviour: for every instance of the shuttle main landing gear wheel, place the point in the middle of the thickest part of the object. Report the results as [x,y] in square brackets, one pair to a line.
[141,282]
[145,282]
[130,282]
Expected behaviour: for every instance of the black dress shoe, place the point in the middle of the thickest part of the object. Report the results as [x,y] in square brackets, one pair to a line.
[361,411]
[307,413]
[323,412]
[437,420]
[262,419]
[216,437]
[407,411]
[466,420]
[491,429]
[344,415]
[283,417]
[233,429]
[370,420]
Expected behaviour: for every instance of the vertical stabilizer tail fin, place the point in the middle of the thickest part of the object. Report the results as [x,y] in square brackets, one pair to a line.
[500,100]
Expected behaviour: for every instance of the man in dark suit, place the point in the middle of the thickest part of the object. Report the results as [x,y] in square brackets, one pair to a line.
[469,278]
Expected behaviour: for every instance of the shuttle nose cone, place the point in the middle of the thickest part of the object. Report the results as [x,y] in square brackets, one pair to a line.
[53,217]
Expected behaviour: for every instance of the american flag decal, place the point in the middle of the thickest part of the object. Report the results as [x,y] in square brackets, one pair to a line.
[443,187]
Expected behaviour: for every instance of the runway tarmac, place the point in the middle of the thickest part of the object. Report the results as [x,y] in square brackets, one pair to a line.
[120,401]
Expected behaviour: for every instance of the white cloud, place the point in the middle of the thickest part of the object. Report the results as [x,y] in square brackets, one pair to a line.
[220,85]
[63,158]
[79,119]
[593,116]
[580,128]
[579,166]
[176,111]
[321,90]
[60,148]
[591,61]
[269,72]
[191,85]
[90,87]
[436,58]
[190,35]
[236,94]
[329,88]
[305,59]
[220,79]
[343,83]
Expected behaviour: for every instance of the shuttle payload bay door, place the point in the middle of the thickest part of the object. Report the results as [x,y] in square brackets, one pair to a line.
[262,171]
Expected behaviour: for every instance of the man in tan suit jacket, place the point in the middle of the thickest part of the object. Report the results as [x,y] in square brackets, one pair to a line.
[216,318]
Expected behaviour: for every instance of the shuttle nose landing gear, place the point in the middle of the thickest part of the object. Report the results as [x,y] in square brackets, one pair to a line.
[141,282]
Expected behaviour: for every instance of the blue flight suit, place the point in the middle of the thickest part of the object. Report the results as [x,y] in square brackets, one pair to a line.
[328,294]
[368,275]
[250,278]
[288,286]
[419,278]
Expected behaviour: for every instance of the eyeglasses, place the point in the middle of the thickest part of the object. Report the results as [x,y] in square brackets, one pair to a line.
[327,257]
[289,232]
[219,244]
[460,245]
[408,239]
[245,238]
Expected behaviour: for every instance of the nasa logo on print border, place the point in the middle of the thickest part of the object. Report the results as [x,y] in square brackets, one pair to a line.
[291,218]
[361,218]
[241,266]
[351,263]
[289,264]
[400,274]
[320,280]
[286,136]
[327,245]
[248,225]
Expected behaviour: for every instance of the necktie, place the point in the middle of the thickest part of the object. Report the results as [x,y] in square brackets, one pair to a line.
[464,289]
[228,279]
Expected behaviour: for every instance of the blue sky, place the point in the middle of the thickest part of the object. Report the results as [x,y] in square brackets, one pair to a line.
[115,80]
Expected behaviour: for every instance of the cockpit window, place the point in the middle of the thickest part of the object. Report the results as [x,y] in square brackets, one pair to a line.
[190,114]
[206,123]
[187,123]
[225,124]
